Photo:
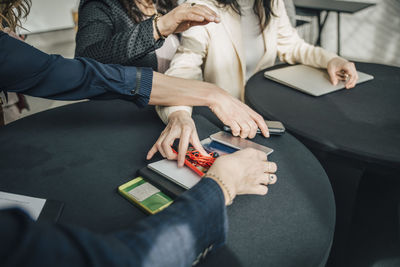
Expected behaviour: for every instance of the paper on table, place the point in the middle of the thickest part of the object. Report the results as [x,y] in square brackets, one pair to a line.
[32,205]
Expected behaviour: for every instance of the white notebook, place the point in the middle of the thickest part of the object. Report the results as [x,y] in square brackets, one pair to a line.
[309,80]
[183,176]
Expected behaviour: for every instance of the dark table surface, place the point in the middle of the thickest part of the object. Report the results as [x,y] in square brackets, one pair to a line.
[329,5]
[79,154]
[362,123]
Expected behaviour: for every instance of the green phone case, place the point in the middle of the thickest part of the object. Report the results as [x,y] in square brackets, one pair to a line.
[145,195]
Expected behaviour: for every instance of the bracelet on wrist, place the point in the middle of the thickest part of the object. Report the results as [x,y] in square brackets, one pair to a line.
[155,19]
[222,185]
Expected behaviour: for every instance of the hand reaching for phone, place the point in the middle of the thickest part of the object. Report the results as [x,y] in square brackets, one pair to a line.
[242,120]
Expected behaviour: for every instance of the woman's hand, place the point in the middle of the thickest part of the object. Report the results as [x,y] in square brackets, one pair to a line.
[185,16]
[243,121]
[180,125]
[339,69]
[244,172]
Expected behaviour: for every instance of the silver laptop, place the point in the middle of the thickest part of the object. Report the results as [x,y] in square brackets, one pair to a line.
[309,80]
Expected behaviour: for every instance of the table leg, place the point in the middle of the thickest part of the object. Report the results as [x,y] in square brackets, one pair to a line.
[318,42]
[345,177]
[338,33]
[373,237]
[1,116]
[321,24]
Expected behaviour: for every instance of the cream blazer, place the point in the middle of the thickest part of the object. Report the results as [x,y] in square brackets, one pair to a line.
[214,53]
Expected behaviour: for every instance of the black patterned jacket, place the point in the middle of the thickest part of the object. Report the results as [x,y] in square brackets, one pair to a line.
[107,34]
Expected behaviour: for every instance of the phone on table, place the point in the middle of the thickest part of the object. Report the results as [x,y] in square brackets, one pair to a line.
[144,195]
[274,127]
[237,142]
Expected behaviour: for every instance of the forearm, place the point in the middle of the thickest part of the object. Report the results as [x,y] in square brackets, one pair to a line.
[293,49]
[310,55]
[24,69]
[119,48]
[172,91]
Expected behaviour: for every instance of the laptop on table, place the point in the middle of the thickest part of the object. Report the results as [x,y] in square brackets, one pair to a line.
[309,80]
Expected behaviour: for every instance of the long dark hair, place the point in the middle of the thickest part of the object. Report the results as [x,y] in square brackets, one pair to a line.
[12,11]
[267,4]
[163,7]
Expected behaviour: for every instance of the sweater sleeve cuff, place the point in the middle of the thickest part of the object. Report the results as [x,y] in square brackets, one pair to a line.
[164,112]
[148,27]
[326,57]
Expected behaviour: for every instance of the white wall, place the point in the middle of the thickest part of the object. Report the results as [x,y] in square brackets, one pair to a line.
[47,15]
[372,34]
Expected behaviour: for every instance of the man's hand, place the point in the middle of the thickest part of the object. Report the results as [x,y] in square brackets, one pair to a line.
[180,125]
[339,69]
[244,172]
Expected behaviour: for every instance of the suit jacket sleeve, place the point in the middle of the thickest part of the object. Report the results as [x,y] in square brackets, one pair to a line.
[97,39]
[26,70]
[178,236]
[292,49]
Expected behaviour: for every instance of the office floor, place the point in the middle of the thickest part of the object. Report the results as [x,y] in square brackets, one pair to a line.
[375,234]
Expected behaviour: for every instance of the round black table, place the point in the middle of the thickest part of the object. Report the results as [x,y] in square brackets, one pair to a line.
[79,154]
[362,123]
[353,132]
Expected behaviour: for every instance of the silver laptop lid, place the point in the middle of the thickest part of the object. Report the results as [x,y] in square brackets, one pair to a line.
[309,80]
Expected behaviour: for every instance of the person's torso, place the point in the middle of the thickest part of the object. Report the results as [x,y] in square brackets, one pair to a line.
[122,22]
[225,61]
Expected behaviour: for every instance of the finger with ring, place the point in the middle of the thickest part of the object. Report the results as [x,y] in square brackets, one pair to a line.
[272,178]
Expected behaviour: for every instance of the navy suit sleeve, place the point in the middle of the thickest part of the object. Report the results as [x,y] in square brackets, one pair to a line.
[24,69]
[196,222]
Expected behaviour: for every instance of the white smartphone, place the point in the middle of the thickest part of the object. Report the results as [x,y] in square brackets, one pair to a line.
[274,127]
[237,142]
